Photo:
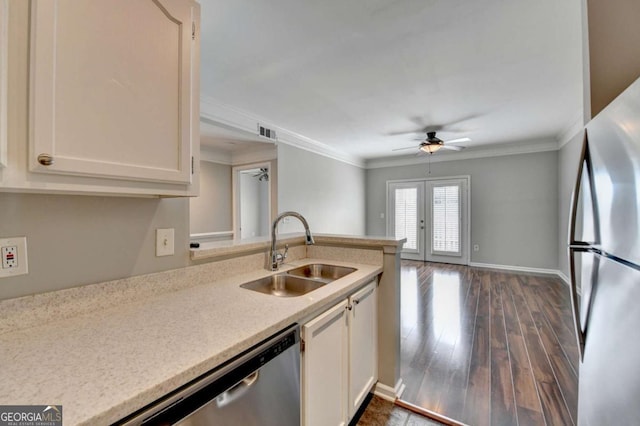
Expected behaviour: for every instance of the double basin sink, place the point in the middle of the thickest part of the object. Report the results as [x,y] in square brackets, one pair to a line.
[298,281]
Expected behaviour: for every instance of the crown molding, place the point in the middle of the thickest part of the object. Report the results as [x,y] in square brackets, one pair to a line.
[235,118]
[575,127]
[498,150]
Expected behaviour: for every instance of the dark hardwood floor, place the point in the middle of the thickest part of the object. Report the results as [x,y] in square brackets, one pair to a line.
[488,347]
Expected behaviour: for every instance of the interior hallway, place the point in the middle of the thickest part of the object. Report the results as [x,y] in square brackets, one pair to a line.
[488,347]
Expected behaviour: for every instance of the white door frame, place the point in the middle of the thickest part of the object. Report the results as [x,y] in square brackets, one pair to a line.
[467,243]
[235,191]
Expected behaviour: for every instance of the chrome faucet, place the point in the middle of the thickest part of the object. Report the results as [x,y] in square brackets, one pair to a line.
[278,258]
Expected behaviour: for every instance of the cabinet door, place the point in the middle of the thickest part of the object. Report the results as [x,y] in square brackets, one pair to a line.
[324,368]
[363,353]
[111,88]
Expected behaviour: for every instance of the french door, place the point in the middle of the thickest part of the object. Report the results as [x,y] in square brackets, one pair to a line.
[433,216]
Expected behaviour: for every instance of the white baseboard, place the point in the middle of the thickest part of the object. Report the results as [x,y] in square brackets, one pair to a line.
[515,268]
[387,392]
[555,272]
[564,278]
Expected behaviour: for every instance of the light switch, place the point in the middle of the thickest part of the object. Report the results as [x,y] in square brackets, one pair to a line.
[164,242]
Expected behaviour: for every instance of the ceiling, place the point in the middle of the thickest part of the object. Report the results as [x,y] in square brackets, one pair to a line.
[348,74]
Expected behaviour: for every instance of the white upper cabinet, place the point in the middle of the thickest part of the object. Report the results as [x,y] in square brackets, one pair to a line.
[114,103]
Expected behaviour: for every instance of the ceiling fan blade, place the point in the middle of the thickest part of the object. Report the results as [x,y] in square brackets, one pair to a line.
[453,147]
[459,140]
[404,132]
[402,149]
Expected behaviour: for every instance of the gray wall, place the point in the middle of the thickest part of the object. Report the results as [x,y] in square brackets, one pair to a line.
[568,162]
[514,205]
[211,211]
[75,240]
[330,194]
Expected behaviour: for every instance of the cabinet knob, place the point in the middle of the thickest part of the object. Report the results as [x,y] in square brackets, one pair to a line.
[45,159]
[356,301]
[348,307]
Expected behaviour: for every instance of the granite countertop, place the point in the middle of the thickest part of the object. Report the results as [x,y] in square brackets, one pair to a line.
[103,365]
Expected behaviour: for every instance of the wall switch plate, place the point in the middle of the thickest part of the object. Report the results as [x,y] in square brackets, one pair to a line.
[476,247]
[14,256]
[164,242]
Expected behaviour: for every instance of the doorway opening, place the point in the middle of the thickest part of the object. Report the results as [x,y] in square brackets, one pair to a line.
[252,200]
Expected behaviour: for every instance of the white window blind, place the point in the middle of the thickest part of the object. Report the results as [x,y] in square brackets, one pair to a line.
[446,219]
[406,216]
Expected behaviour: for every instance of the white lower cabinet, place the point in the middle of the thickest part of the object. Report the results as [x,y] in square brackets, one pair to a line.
[363,345]
[339,361]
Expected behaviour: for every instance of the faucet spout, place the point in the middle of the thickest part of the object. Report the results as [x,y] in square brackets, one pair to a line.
[275,257]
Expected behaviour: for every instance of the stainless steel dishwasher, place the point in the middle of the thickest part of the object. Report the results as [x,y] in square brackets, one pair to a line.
[259,387]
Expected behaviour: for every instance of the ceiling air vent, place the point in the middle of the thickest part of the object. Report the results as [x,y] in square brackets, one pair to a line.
[267,133]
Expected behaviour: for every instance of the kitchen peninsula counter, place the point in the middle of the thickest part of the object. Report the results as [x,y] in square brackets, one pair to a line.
[105,350]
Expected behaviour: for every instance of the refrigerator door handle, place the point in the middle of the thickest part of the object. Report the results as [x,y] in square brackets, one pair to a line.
[574,298]
[576,194]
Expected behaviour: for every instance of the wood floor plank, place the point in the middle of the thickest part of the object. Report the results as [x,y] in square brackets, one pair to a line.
[528,406]
[454,367]
[503,411]
[453,400]
[478,403]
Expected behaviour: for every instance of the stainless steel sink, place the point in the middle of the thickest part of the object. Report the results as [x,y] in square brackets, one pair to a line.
[321,272]
[284,285]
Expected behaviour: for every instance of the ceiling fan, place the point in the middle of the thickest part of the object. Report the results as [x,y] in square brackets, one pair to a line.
[432,144]
[262,175]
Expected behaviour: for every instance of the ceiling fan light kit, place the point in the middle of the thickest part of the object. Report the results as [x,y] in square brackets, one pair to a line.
[433,144]
[430,147]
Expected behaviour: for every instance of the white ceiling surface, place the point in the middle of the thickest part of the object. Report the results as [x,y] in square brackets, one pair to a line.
[348,73]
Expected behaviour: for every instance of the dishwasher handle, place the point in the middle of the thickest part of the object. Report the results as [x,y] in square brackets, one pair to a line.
[238,390]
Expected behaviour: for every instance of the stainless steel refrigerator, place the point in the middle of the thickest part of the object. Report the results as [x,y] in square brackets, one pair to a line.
[604,259]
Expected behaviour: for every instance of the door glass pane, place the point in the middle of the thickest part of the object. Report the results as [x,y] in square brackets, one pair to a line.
[446,219]
[406,211]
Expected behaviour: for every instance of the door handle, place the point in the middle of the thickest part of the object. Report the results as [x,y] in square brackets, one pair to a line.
[574,299]
[236,391]
[576,192]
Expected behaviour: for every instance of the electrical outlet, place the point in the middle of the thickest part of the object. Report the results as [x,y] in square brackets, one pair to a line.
[10,257]
[164,242]
[14,256]
[476,247]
